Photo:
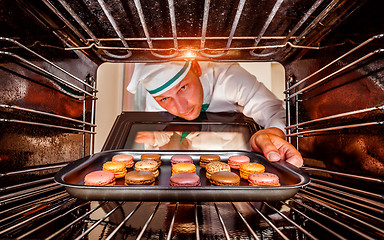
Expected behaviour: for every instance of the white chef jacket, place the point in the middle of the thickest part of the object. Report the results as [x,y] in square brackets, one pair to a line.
[228,87]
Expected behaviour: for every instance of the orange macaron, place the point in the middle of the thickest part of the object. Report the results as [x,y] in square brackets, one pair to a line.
[248,168]
[126,159]
[183,167]
[116,168]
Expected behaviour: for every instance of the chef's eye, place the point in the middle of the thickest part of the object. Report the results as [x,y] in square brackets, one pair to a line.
[163,99]
[184,87]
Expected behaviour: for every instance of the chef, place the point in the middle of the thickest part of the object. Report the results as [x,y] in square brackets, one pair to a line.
[187,88]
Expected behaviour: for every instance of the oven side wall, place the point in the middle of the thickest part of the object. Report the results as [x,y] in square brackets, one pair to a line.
[31,87]
[353,83]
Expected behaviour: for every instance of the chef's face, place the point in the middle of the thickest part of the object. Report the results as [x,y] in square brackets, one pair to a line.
[185,99]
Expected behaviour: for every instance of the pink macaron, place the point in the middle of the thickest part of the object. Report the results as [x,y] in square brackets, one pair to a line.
[263,179]
[123,158]
[235,161]
[100,178]
[181,158]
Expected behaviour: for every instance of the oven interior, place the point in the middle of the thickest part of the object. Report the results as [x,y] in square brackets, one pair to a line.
[332,52]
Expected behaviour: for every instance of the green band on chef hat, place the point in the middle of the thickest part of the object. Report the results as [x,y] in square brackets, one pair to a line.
[173,81]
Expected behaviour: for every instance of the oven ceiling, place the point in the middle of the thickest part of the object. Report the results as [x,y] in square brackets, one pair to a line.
[160,30]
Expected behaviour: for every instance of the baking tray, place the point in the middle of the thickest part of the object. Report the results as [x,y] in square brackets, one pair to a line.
[72,177]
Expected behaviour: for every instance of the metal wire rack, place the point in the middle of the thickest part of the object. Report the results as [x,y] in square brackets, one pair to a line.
[318,11]
[295,91]
[84,90]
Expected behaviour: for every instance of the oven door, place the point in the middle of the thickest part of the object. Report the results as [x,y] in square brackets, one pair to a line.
[163,131]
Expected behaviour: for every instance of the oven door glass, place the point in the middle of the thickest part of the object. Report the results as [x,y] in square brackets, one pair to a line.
[197,136]
[163,131]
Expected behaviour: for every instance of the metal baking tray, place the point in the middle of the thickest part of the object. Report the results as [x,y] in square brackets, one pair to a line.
[72,177]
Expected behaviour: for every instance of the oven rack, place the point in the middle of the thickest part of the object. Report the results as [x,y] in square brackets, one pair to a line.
[295,90]
[41,113]
[81,128]
[324,204]
[299,82]
[46,114]
[312,19]
[54,77]
[86,91]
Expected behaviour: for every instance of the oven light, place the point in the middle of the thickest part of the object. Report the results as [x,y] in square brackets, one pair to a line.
[189,55]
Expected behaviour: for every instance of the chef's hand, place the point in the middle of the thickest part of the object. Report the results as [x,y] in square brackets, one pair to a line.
[145,137]
[271,142]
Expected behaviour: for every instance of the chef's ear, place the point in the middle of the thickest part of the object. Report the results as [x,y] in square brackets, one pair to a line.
[196,67]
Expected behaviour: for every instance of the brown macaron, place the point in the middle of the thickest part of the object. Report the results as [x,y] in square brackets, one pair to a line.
[155,157]
[139,177]
[116,168]
[225,179]
[147,165]
[216,167]
[205,159]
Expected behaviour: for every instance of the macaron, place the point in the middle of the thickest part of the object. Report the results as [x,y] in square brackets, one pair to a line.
[183,167]
[148,165]
[225,179]
[184,179]
[216,167]
[155,157]
[99,178]
[126,159]
[235,161]
[116,168]
[263,179]
[139,177]
[180,158]
[205,159]
[248,168]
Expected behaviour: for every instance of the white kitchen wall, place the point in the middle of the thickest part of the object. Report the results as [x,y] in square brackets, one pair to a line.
[109,104]
[113,98]
[270,74]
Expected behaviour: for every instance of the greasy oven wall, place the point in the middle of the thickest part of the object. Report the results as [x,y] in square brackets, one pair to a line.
[43,108]
[337,97]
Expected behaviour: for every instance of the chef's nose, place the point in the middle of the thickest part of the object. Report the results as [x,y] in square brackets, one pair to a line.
[181,105]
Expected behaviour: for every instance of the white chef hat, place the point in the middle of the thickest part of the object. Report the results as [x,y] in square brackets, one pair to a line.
[157,78]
